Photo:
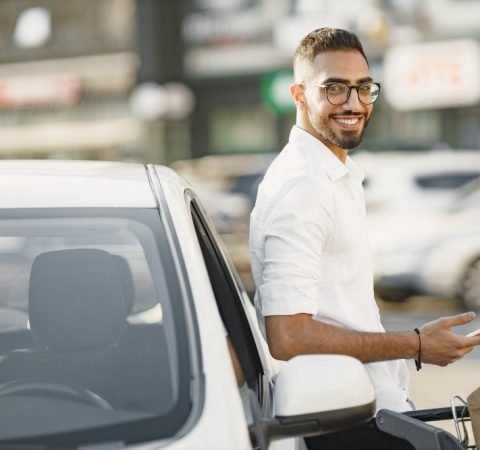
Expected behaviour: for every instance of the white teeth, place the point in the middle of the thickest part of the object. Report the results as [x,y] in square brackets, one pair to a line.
[347,121]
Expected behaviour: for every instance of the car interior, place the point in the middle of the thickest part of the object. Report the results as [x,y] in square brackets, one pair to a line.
[79,343]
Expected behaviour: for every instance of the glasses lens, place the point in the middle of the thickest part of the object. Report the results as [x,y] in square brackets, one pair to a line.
[368,92]
[337,93]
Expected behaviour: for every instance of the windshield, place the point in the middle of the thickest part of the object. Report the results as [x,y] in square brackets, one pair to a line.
[92,346]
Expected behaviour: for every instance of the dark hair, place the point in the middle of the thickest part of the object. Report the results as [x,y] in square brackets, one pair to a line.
[324,40]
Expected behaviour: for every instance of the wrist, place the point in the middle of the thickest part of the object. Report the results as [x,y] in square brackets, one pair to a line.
[413,345]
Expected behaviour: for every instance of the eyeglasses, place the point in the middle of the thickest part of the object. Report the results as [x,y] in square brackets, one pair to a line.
[339,93]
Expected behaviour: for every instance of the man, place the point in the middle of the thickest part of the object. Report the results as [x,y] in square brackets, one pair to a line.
[309,247]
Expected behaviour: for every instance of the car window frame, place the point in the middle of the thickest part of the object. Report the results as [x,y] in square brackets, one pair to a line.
[231,308]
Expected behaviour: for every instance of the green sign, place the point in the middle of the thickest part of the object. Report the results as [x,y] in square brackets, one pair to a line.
[276,92]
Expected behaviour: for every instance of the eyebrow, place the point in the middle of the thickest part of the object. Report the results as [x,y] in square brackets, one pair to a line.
[343,80]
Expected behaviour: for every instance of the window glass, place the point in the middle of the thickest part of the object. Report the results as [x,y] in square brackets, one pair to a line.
[446,180]
[89,328]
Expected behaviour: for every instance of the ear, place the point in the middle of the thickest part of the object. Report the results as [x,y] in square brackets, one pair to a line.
[298,96]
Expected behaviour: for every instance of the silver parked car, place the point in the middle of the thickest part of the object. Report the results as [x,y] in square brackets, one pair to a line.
[435,254]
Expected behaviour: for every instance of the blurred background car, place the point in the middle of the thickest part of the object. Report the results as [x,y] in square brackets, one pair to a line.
[431,253]
[415,180]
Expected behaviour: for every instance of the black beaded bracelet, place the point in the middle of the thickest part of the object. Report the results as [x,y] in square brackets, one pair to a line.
[418,361]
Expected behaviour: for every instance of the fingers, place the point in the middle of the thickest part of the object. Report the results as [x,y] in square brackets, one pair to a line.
[458,355]
[461,354]
[472,341]
[460,319]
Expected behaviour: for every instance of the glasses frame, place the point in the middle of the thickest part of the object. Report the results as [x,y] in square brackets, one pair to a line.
[326,86]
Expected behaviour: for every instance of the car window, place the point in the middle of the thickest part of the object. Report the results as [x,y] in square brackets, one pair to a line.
[92,343]
[445,180]
[227,295]
[247,185]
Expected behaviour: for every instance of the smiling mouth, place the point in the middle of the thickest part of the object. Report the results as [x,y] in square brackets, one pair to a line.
[350,121]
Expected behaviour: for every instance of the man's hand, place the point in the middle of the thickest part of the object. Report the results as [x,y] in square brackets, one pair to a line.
[440,346]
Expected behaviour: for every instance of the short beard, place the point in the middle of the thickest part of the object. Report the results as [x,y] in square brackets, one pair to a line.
[348,140]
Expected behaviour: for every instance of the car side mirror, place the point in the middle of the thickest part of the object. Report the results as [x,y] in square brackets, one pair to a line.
[318,394]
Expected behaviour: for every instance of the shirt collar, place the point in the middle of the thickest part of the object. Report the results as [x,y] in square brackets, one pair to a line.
[355,171]
[334,167]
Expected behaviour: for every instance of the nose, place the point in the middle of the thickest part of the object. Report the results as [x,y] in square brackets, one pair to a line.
[353,101]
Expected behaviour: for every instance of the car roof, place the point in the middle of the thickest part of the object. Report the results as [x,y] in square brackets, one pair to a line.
[420,162]
[57,184]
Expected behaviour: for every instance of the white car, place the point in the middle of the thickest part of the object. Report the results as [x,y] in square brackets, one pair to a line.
[435,254]
[116,300]
[402,182]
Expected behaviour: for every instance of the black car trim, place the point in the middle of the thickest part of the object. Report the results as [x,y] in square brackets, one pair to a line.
[232,313]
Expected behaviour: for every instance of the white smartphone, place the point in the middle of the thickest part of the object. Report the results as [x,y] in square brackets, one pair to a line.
[474,333]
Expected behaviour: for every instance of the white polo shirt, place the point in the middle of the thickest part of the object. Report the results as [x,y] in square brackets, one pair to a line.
[310,254]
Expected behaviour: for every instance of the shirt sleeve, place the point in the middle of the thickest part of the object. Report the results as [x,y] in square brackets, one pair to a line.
[295,231]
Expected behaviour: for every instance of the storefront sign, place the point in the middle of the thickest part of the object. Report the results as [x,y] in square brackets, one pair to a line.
[432,75]
[34,92]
